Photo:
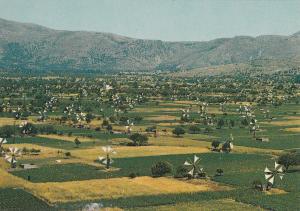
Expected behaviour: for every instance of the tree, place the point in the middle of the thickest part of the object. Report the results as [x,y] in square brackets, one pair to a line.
[77,142]
[161,168]
[226,147]
[105,123]
[6,131]
[178,131]
[109,128]
[182,171]
[194,129]
[138,139]
[289,159]
[89,117]
[220,123]
[215,144]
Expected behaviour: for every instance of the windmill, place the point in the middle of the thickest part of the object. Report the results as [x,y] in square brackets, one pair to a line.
[2,141]
[185,114]
[253,127]
[194,165]
[107,161]
[11,156]
[271,174]
[228,145]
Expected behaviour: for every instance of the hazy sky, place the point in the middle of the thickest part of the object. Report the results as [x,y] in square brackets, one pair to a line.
[161,19]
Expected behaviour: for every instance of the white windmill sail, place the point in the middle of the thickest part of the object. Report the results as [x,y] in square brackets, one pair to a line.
[191,172]
[3,141]
[196,158]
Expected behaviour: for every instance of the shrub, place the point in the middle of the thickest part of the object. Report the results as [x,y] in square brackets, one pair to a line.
[215,144]
[194,129]
[6,131]
[68,154]
[258,185]
[133,175]
[289,159]
[178,131]
[48,129]
[219,172]
[181,171]
[161,168]
[138,140]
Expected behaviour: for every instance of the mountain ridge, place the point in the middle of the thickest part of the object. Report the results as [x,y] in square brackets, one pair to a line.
[26,46]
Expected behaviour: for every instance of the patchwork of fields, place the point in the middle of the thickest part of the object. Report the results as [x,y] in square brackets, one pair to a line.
[69,176]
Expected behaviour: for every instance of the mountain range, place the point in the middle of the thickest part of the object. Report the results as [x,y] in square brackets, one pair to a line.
[32,47]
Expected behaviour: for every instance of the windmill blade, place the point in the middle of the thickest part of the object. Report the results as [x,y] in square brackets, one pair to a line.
[186,163]
[15,150]
[281,176]
[101,158]
[9,159]
[280,169]
[271,180]
[3,141]
[191,172]
[196,158]
[106,149]
[277,165]
[267,171]
[104,161]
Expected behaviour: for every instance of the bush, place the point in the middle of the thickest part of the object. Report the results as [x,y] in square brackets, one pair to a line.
[215,144]
[133,175]
[48,129]
[6,131]
[219,172]
[181,172]
[68,154]
[258,185]
[161,168]
[138,140]
[178,131]
[289,159]
[194,129]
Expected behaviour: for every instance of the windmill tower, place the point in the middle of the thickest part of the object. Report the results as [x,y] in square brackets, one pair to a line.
[107,161]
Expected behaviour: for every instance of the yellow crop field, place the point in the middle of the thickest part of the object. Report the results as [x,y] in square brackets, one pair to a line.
[117,187]
[128,151]
[162,118]
[293,129]
[67,138]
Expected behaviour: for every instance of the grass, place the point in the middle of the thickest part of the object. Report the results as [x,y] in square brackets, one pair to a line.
[17,199]
[230,163]
[222,204]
